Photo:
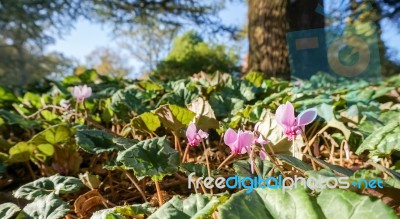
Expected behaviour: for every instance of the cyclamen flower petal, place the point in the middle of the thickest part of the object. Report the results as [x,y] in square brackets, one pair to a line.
[285,115]
[230,138]
[191,131]
[263,154]
[260,140]
[306,117]
[291,125]
[81,92]
[202,134]
[193,136]
[239,142]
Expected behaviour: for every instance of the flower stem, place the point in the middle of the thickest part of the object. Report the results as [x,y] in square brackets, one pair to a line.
[270,148]
[274,160]
[293,148]
[135,183]
[76,111]
[206,155]
[39,111]
[253,163]
[318,133]
[185,154]
[177,143]
[160,200]
[225,161]
[309,150]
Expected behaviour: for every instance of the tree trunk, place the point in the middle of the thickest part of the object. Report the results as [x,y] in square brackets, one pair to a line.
[269,21]
[268,25]
[302,15]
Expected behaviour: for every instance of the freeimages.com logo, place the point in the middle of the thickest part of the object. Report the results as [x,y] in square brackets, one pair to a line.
[249,183]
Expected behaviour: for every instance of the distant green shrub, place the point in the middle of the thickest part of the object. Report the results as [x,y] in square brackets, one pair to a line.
[190,54]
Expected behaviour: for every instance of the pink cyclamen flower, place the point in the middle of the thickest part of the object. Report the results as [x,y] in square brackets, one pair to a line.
[293,126]
[239,142]
[194,137]
[260,140]
[81,92]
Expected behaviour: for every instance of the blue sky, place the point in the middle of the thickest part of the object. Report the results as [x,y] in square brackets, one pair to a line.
[86,37]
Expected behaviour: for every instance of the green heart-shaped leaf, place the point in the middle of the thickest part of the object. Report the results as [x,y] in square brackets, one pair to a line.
[296,203]
[195,206]
[47,207]
[21,152]
[383,141]
[153,157]
[54,135]
[96,141]
[138,210]
[46,185]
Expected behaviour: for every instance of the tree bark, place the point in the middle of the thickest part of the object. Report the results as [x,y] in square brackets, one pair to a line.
[269,21]
[268,25]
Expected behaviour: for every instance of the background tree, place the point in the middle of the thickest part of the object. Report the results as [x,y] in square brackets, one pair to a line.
[190,54]
[26,27]
[269,21]
[170,13]
[147,44]
[30,25]
[371,11]
[109,62]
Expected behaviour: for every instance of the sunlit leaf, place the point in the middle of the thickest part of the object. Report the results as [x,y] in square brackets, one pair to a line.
[21,152]
[48,115]
[149,85]
[46,149]
[269,203]
[382,142]
[174,117]
[255,78]
[204,113]
[147,122]
[336,203]
[54,135]
[137,211]
[8,210]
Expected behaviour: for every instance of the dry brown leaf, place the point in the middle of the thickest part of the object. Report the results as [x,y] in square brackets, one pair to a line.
[86,204]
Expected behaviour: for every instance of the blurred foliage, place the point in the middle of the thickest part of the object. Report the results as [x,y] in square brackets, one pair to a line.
[364,12]
[27,27]
[109,62]
[190,54]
